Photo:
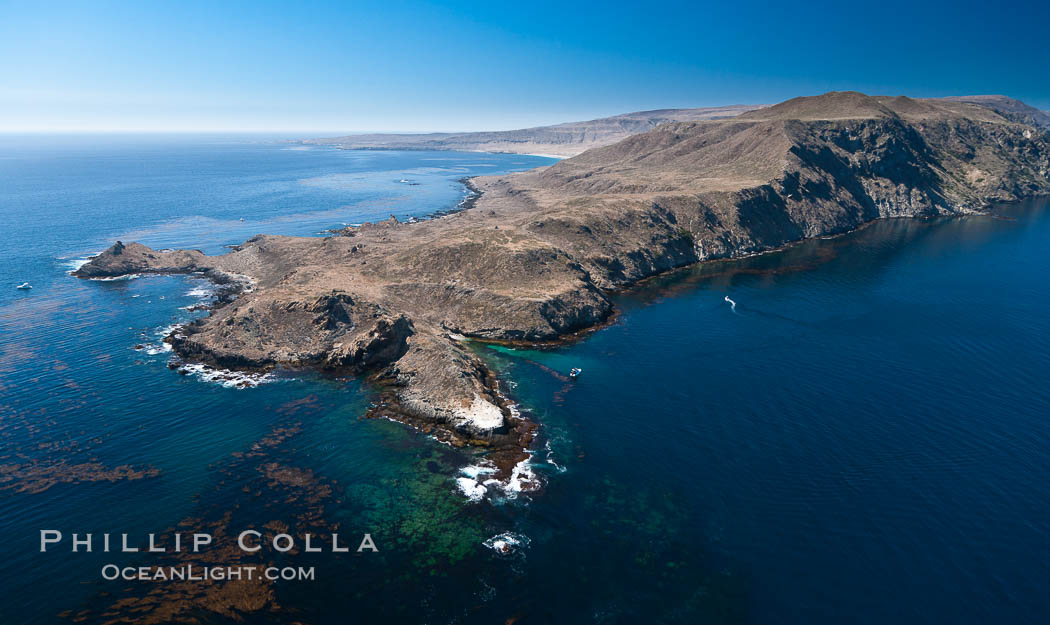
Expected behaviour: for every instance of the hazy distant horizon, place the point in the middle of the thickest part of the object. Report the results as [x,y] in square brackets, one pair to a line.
[415,66]
[306,133]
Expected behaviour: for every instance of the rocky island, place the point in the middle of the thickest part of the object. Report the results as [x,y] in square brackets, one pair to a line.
[537,256]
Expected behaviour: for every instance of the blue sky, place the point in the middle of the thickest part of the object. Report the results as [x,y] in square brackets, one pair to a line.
[392,65]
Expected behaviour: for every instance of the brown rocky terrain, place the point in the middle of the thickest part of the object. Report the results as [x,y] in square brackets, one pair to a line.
[1011,109]
[537,256]
[567,139]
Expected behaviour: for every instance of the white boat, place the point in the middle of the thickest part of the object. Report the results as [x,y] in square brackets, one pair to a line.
[24,286]
[575,371]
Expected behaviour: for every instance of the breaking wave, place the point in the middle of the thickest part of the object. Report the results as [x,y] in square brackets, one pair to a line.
[77,263]
[550,458]
[507,543]
[473,484]
[470,483]
[225,377]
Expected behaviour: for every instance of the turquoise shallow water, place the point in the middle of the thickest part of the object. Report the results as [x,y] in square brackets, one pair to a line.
[84,386]
[862,440]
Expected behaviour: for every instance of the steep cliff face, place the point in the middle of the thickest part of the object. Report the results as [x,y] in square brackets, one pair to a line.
[536,256]
[690,192]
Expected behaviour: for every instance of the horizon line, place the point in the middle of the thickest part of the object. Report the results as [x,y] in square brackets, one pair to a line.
[172,131]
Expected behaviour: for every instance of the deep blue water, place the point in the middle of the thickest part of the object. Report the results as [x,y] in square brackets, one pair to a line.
[864,439]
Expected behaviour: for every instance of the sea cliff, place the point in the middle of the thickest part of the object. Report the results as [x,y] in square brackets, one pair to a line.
[537,256]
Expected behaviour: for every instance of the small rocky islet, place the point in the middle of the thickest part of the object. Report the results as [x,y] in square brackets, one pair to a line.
[537,255]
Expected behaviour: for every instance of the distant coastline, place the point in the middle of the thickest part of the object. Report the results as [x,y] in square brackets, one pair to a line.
[558,141]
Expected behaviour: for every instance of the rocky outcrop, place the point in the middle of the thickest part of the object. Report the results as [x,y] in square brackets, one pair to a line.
[329,330]
[536,257]
[133,258]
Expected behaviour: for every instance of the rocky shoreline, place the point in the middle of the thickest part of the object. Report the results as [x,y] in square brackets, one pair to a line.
[533,258]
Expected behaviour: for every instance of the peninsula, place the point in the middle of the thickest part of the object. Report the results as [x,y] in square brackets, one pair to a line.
[537,256]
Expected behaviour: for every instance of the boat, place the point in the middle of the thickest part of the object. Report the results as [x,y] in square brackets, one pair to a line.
[575,372]
[24,286]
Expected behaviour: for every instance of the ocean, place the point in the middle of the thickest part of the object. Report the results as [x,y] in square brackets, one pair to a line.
[860,436]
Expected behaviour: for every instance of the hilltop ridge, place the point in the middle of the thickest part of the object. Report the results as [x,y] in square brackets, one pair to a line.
[573,138]
[1011,109]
